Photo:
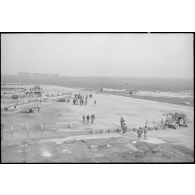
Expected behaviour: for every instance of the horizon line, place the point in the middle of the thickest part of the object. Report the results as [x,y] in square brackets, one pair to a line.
[95,76]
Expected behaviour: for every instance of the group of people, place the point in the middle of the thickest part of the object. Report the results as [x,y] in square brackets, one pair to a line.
[79,96]
[87,118]
[81,99]
[139,131]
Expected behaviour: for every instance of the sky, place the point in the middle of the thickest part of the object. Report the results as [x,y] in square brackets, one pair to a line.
[99,54]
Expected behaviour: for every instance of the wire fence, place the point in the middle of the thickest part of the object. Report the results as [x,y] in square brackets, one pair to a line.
[32,130]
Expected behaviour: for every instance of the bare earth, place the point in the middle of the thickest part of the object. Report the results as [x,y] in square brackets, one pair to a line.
[58,143]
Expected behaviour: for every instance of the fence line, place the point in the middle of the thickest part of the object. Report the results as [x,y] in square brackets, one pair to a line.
[25,128]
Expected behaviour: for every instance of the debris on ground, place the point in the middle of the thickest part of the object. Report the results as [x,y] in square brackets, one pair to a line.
[108,145]
[83,141]
[93,147]
[98,155]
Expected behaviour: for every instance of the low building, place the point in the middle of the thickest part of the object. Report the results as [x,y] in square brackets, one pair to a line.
[37,90]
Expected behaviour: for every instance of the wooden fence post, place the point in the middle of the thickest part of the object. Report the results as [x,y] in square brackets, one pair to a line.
[56,126]
[41,129]
[12,131]
[2,127]
[27,130]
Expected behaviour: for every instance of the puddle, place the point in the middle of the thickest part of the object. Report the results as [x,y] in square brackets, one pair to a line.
[46,154]
[154,141]
[66,151]
[98,155]
[58,142]
[131,147]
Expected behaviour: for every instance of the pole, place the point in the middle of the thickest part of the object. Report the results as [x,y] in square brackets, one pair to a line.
[41,129]
[12,131]
[57,126]
[2,127]
[27,130]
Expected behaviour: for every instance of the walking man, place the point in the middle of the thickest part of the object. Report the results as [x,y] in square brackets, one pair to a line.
[83,118]
[87,119]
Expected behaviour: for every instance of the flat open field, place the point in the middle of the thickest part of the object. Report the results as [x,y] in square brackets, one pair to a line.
[57,134]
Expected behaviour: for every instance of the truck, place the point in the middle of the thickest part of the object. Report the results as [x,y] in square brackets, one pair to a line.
[176,120]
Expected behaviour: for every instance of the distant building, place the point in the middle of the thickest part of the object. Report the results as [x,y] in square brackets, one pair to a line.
[24,73]
[54,75]
[37,74]
[37,90]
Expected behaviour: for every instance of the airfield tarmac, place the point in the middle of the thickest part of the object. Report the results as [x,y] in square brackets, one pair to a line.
[107,110]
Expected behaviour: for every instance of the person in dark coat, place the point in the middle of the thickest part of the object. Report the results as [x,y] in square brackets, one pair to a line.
[83,118]
[122,121]
[92,118]
[124,128]
[87,119]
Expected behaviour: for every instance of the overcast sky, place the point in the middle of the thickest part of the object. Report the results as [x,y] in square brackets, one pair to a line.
[137,55]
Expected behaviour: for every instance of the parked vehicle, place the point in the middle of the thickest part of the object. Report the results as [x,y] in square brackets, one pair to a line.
[175,120]
[14,97]
[31,109]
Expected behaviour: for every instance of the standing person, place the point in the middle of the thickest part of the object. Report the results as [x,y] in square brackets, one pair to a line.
[92,118]
[146,123]
[87,119]
[95,102]
[85,102]
[124,128]
[139,133]
[83,118]
[122,121]
[145,131]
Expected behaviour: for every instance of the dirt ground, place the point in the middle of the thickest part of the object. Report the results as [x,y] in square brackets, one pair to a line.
[104,150]
[80,145]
